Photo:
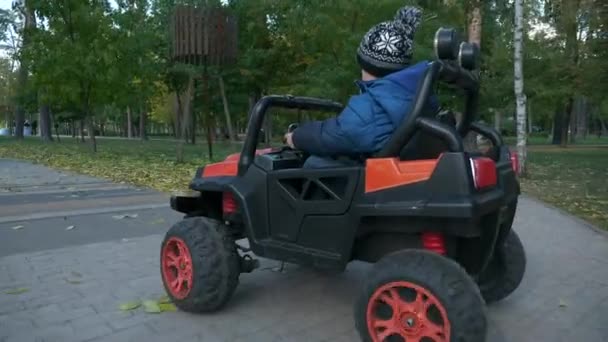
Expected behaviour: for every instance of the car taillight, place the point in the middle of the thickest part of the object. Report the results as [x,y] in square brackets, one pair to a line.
[229,205]
[484,172]
[515,162]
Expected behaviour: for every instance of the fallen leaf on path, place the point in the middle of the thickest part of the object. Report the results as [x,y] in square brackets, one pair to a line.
[17,291]
[151,306]
[73,281]
[562,303]
[167,307]
[69,228]
[159,221]
[17,227]
[130,306]
[120,217]
[164,299]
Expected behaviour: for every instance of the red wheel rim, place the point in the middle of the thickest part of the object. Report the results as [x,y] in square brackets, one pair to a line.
[403,311]
[177,267]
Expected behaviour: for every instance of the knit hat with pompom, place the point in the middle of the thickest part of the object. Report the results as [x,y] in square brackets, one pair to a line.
[388,46]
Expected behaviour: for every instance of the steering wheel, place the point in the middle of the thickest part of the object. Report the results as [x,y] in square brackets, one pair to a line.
[287,149]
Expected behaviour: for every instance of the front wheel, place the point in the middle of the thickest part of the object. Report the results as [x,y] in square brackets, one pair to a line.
[417,295]
[199,265]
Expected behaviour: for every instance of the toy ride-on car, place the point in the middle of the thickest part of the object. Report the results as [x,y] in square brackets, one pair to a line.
[434,218]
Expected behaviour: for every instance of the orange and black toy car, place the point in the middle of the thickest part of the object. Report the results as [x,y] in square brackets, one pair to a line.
[435,219]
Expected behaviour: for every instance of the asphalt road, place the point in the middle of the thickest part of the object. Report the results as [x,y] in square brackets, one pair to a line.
[38,204]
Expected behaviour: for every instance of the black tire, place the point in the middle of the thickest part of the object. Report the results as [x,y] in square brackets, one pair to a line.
[505,271]
[215,264]
[443,278]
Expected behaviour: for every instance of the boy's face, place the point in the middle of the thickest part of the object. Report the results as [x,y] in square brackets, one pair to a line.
[365,76]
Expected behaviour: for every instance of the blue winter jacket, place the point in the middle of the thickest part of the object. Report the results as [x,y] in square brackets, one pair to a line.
[368,120]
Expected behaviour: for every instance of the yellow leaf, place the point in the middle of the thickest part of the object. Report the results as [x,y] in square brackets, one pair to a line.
[17,291]
[130,306]
[151,306]
[167,307]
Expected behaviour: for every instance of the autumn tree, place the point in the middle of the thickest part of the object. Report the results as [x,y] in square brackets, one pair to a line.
[73,55]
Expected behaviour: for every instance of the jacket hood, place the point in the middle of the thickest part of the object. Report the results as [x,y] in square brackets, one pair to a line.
[393,91]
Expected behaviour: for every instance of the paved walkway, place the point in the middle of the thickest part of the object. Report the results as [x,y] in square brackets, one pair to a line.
[73,292]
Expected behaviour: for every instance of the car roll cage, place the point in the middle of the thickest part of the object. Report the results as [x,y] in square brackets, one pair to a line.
[443,70]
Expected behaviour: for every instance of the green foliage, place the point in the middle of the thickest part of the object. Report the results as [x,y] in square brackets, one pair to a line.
[71,58]
[88,57]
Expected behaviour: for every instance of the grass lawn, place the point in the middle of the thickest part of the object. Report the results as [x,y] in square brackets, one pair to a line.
[150,163]
[574,179]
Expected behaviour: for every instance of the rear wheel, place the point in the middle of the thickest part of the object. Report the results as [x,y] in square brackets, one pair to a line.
[199,265]
[420,296]
[505,271]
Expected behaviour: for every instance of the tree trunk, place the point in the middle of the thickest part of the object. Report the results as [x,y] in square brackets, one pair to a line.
[572,124]
[73,127]
[529,117]
[142,125]
[91,131]
[19,109]
[7,116]
[179,152]
[226,110]
[475,21]
[267,129]
[56,125]
[557,126]
[497,120]
[28,23]
[81,130]
[474,30]
[566,123]
[129,123]
[520,96]
[254,96]
[185,109]
[44,122]
[192,126]
[569,26]
[207,112]
[582,114]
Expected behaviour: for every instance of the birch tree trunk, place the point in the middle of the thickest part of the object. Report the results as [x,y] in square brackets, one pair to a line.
[520,97]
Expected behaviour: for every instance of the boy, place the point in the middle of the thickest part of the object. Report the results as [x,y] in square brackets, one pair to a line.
[388,85]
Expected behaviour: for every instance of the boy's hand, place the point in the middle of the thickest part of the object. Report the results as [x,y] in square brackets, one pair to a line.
[289,140]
